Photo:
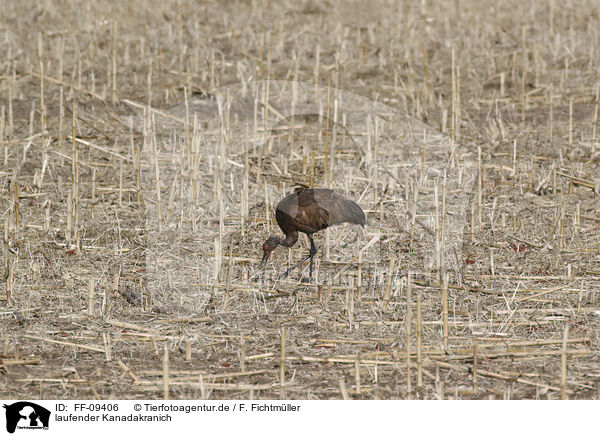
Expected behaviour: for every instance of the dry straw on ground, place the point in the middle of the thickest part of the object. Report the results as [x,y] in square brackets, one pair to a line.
[144,147]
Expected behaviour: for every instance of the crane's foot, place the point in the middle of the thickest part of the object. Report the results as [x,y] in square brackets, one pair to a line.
[289,270]
[284,275]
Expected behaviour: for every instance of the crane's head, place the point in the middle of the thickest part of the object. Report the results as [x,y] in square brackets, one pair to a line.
[270,244]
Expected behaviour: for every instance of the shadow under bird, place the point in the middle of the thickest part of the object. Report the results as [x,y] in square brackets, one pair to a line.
[309,211]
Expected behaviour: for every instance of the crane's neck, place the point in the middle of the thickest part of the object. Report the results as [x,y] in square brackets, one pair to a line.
[289,240]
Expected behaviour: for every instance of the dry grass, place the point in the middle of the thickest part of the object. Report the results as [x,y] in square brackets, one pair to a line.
[467,134]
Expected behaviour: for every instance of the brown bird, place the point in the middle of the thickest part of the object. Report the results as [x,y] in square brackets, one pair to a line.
[309,211]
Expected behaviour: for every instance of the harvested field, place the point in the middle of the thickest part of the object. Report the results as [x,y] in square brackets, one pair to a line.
[144,148]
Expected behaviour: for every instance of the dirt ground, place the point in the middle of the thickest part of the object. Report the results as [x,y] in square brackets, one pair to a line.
[145,145]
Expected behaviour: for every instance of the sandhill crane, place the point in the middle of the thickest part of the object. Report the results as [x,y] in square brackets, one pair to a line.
[309,211]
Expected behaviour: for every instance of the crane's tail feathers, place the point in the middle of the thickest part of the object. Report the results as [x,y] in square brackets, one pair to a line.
[354,214]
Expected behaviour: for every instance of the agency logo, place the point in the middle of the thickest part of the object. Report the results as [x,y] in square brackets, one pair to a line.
[26,415]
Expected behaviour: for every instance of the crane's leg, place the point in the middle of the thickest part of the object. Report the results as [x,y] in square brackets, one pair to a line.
[313,251]
[311,254]
[292,268]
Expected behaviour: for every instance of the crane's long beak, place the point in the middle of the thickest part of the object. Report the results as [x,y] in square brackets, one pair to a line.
[264,259]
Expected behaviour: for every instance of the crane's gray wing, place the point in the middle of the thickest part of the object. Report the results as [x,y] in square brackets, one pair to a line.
[339,209]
